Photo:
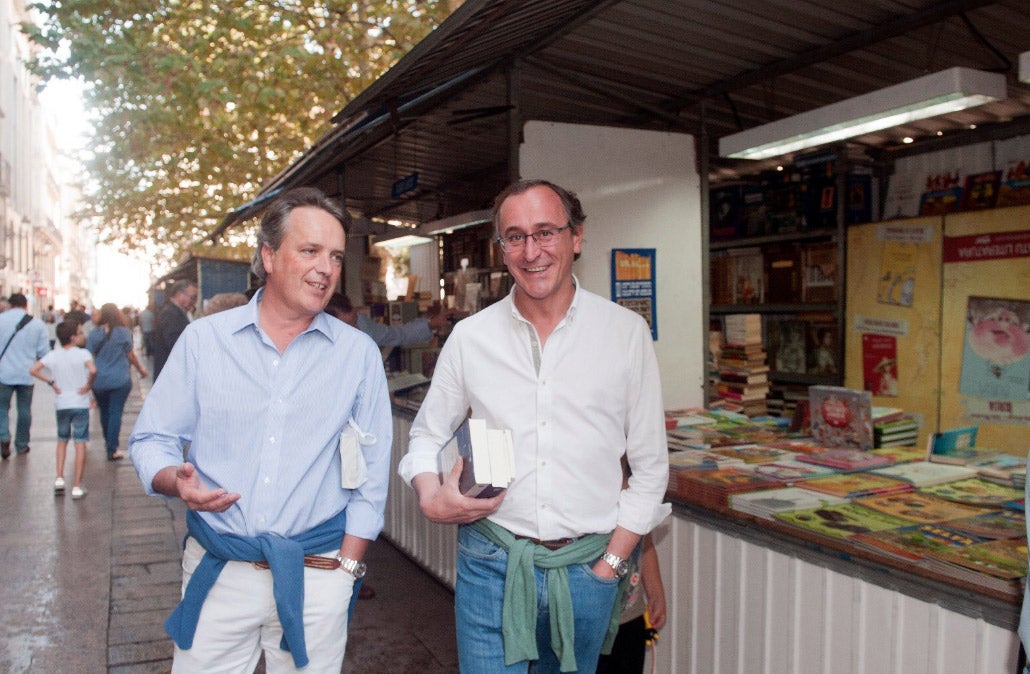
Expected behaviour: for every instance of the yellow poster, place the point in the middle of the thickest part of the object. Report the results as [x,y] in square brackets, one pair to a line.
[897,274]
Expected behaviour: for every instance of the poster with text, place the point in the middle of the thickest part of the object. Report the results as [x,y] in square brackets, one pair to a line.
[880,364]
[897,274]
[633,283]
[996,349]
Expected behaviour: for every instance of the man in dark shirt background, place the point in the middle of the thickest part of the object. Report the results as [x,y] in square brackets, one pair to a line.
[172,320]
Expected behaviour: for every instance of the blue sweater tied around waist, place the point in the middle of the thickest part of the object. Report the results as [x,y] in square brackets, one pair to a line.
[285,557]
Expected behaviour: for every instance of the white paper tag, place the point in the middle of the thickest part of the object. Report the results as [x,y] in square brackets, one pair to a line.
[353,471]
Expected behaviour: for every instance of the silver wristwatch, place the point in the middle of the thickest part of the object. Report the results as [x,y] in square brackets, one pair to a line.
[619,565]
[352,566]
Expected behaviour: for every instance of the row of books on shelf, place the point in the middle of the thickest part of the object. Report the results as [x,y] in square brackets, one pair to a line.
[794,200]
[948,506]
[780,273]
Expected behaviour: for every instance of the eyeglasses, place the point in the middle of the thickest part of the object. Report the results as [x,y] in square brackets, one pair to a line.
[545,238]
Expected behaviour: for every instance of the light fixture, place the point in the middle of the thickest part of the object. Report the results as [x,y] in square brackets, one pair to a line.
[456,222]
[399,237]
[1024,67]
[928,96]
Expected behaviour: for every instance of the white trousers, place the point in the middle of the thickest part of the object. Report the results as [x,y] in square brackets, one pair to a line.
[239,620]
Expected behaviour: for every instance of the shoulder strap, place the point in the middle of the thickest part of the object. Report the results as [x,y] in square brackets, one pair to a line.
[103,343]
[21,324]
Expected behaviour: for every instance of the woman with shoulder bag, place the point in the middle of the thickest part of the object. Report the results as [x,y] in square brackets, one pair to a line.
[110,342]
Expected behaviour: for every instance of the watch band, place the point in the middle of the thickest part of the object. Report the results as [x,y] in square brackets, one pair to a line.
[352,566]
[619,565]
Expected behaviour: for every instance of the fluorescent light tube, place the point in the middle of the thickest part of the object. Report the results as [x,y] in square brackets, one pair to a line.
[929,96]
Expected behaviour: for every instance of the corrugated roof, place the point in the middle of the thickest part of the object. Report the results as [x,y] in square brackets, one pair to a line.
[444,111]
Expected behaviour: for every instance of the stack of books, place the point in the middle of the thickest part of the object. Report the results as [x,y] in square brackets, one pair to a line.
[892,427]
[767,503]
[743,371]
[712,488]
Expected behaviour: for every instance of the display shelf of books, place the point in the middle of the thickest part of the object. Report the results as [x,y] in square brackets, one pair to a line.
[887,507]
[777,248]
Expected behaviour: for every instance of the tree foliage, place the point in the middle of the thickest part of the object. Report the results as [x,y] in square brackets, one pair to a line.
[196,103]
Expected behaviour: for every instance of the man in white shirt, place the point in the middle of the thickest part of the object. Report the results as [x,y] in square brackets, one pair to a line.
[575,378]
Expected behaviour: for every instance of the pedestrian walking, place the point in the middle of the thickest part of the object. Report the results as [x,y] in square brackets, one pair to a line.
[110,342]
[24,342]
[71,377]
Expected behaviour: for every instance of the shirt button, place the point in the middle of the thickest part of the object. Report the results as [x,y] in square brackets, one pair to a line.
[275,363]
[268,480]
[271,440]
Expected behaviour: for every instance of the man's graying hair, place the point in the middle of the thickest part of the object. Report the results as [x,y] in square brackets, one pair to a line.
[273,223]
[569,200]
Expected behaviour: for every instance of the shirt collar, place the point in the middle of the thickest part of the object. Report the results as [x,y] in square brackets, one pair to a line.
[248,316]
[570,314]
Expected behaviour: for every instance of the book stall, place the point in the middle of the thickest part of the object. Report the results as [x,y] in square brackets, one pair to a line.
[917,510]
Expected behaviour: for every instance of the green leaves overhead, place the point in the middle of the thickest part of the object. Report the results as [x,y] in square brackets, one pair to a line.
[197,103]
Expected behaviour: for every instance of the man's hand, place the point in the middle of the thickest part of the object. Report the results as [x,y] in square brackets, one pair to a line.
[603,569]
[182,481]
[443,503]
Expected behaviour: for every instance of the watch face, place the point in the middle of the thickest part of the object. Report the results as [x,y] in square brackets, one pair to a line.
[359,570]
[622,569]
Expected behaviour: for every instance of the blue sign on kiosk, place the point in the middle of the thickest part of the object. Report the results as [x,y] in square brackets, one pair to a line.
[405,184]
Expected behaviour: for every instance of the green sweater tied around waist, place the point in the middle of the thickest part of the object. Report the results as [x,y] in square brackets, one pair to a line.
[519,610]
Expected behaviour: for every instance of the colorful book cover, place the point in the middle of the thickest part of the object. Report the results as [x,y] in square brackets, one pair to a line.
[998,465]
[765,503]
[854,485]
[752,453]
[798,446]
[954,441]
[993,524]
[880,364]
[919,507]
[1002,558]
[846,459]
[787,346]
[841,521]
[841,417]
[974,491]
[981,191]
[822,349]
[900,454]
[996,350]
[790,470]
[919,540]
[924,473]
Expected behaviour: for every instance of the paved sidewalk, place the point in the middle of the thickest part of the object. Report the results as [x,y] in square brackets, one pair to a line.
[86,585]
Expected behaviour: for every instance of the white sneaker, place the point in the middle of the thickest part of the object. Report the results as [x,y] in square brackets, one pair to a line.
[78,492]
[59,485]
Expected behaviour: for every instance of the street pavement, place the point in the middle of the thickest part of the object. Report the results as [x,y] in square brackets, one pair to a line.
[87,584]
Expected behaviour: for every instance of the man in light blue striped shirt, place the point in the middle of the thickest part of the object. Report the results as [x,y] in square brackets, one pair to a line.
[287,420]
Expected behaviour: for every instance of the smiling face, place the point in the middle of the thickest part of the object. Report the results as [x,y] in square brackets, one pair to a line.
[543,275]
[303,273]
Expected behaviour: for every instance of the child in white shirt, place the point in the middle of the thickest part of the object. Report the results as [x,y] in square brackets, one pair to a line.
[71,376]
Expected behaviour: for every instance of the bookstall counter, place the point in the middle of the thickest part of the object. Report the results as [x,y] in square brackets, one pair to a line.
[971,594]
[749,594]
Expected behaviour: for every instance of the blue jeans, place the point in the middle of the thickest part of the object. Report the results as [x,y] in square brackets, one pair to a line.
[24,410]
[73,424]
[479,594]
[111,404]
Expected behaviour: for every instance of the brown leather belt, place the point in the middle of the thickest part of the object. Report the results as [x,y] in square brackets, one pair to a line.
[553,544]
[310,561]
